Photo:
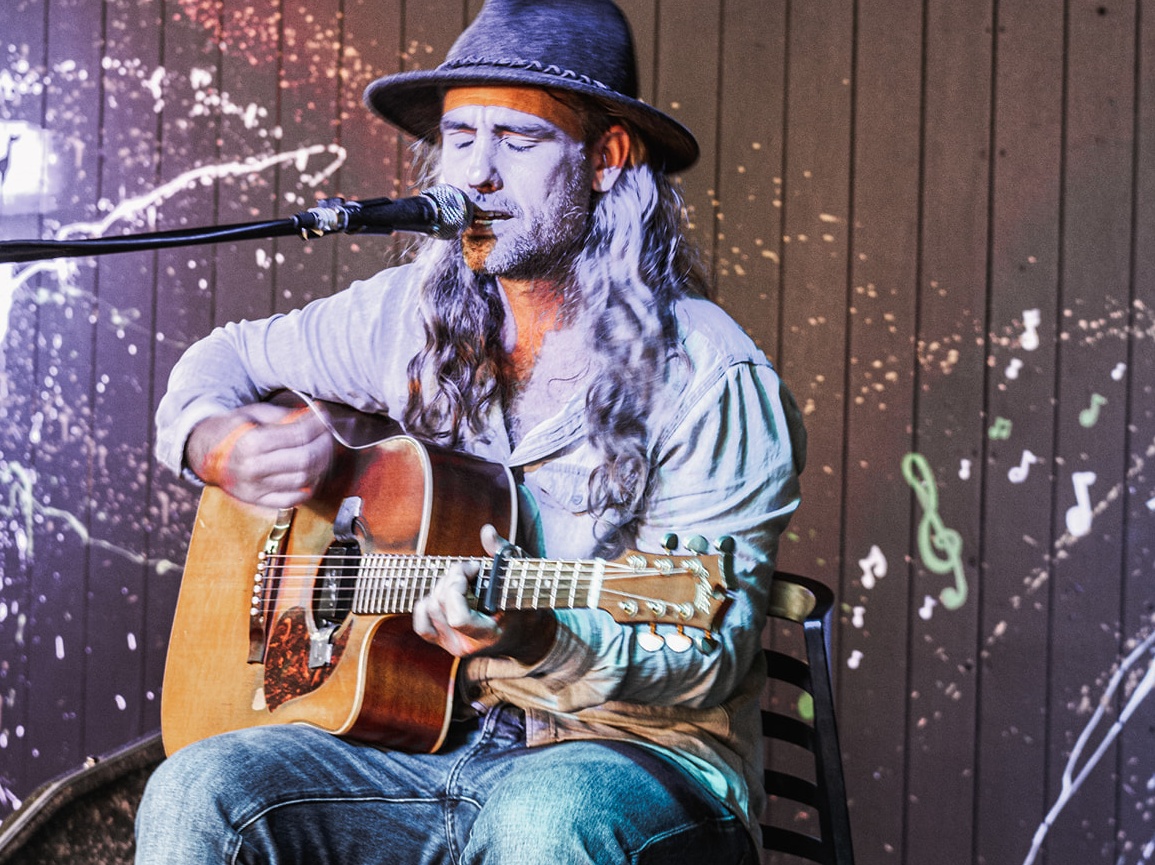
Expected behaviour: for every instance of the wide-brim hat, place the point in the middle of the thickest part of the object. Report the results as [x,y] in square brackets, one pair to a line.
[578,46]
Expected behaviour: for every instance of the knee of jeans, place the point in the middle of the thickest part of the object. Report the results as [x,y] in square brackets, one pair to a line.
[187,784]
[560,822]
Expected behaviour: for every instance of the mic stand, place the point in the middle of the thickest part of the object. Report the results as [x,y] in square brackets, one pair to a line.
[319,221]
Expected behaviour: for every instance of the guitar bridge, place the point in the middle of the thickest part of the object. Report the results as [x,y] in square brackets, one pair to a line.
[268,563]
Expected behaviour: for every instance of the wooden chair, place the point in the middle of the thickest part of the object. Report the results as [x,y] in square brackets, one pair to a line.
[808,604]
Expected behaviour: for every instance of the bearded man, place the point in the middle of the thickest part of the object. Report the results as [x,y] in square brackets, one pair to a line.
[567,337]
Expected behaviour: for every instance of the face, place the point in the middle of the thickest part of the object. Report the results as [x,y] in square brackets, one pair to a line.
[531,184]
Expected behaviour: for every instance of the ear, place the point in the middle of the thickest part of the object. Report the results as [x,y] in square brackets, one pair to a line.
[611,153]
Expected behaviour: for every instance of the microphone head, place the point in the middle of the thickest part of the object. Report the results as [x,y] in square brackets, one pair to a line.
[454,211]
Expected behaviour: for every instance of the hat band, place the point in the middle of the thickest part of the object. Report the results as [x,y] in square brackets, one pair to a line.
[531,100]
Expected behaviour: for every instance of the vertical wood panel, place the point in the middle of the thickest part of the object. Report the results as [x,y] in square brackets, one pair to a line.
[24,25]
[687,62]
[62,424]
[949,429]
[372,47]
[309,94]
[812,356]
[1020,388]
[183,309]
[749,234]
[1136,798]
[882,224]
[1094,293]
[120,380]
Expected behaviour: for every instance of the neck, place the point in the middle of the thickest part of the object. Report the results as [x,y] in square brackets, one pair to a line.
[534,307]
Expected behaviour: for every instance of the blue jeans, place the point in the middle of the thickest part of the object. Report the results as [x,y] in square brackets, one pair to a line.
[292,794]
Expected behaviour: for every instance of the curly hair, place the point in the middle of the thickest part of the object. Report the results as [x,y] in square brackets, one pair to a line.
[636,262]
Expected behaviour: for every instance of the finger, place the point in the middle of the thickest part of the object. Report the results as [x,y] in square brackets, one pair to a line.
[490,539]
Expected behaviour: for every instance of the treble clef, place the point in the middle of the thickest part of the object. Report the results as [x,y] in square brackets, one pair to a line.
[940,547]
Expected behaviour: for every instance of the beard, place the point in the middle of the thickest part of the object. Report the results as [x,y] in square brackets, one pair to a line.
[543,249]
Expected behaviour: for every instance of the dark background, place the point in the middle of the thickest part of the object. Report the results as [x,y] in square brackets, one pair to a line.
[936,217]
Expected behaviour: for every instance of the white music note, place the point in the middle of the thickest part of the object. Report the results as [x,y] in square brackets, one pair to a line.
[874,565]
[1012,370]
[854,660]
[1019,473]
[1079,515]
[1119,371]
[1032,318]
[927,608]
[858,617]
[964,470]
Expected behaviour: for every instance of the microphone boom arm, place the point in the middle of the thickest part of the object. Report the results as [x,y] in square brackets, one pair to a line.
[441,211]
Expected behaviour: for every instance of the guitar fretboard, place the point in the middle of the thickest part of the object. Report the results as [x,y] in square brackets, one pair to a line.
[389,583]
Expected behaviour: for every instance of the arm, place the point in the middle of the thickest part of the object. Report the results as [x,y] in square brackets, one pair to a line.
[727,466]
[351,348]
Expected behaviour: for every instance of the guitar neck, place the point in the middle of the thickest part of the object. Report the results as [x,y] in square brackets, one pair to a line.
[387,584]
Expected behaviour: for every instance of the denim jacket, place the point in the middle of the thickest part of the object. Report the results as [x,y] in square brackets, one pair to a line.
[726,446]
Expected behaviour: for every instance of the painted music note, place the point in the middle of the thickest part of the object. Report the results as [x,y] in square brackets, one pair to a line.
[874,565]
[858,617]
[854,660]
[1019,473]
[1012,370]
[1079,515]
[1032,318]
[939,547]
[927,608]
[964,470]
[1119,371]
[1000,429]
[1089,416]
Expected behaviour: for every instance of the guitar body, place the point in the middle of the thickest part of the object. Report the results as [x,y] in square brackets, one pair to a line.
[381,682]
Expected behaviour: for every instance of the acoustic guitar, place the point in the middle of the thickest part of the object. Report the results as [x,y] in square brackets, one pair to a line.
[301,615]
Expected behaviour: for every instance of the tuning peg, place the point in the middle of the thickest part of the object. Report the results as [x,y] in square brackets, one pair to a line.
[678,642]
[707,644]
[698,544]
[651,640]
[670,542]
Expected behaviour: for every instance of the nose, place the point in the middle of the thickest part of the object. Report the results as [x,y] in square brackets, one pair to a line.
[482,173]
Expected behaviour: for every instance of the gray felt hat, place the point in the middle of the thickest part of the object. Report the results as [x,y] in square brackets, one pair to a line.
[579,46]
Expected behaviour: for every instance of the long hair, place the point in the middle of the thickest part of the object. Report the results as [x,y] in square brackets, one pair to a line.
[635,264]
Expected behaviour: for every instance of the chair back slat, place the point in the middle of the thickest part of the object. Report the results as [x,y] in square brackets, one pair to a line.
[810,604]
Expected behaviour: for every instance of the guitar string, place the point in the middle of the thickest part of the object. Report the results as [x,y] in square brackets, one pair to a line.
[532,578]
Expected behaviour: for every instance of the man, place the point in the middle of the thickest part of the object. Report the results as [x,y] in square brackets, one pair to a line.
[563,336]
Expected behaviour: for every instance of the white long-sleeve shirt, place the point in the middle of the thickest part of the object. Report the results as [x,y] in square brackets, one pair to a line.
[725,445]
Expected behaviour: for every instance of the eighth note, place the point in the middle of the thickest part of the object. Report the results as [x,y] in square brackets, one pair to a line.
[1119,371]
[874,565]
[1089,416]
[1079,515]
[1018,473]
[964,470]
[1030,338]
[1012,370]
[927,608]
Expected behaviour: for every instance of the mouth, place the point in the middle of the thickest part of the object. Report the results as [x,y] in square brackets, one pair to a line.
[486,218]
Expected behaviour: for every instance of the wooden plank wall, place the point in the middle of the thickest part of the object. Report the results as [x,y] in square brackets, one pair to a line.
[937,218]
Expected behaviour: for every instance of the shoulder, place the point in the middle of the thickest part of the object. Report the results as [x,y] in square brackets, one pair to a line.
[712,339]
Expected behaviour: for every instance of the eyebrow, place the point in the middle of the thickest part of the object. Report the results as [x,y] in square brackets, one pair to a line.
[542,130]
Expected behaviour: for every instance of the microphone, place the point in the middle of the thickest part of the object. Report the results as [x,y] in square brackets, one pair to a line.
[442,211]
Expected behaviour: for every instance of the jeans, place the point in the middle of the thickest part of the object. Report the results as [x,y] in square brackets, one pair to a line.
[292,794]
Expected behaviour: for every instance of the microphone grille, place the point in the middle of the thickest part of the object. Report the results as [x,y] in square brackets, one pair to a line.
[454,210]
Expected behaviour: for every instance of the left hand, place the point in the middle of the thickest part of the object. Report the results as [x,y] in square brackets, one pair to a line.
[445,618]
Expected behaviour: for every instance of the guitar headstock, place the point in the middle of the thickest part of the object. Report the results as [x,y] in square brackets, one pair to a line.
[668,589]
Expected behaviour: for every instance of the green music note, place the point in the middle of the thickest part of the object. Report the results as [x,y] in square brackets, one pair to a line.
[939,547]
[1089,416]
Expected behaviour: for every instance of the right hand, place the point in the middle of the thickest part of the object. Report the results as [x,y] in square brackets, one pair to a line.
[263,454]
